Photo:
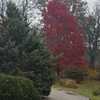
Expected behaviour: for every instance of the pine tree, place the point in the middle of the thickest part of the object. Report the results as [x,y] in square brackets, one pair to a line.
[22,48]
[14,31]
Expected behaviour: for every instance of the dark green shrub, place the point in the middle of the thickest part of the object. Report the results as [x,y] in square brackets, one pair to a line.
[17,72]
[75,74]
[17,88]
[42,81]
[96,92]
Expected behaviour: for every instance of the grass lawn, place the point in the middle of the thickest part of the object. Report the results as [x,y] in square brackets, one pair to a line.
[86,88]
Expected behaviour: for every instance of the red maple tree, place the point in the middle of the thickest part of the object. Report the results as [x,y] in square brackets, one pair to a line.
[63,35]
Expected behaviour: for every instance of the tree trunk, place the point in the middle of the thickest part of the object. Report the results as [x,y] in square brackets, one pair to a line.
[92,67]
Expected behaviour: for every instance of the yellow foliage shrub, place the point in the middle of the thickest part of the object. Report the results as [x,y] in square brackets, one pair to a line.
[68,83]
[92,73]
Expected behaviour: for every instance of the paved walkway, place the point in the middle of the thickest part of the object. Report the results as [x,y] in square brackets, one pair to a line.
[62,95]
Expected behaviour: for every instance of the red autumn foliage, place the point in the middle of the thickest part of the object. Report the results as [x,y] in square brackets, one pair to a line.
[63,35]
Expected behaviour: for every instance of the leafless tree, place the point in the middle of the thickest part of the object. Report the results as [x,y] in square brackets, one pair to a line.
[92,29]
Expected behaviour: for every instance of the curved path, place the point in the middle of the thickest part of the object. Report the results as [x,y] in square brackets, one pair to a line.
[62,95]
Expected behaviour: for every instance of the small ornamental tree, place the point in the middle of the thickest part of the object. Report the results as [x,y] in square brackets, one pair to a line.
[63,36]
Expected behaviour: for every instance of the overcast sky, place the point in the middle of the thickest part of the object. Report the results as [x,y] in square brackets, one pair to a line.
[91,3]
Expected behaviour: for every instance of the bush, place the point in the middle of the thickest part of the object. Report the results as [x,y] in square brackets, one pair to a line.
[42,81]
[68,83]
[96,92]
[75,74]
[17,88]
[17,72]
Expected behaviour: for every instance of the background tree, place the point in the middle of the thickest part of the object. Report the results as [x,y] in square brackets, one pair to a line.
[79,9]
[63,35]
[92,30]
[2,7]
[90,23]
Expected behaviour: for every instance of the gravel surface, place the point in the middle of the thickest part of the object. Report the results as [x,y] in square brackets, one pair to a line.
[62,95]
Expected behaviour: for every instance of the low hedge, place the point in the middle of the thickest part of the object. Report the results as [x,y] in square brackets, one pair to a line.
[17,88]
[43,82]
[75,74]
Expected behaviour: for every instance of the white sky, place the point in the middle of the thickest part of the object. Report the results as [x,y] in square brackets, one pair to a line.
[91,3]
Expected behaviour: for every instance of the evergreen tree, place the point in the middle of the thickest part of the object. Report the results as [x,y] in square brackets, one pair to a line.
[14,32]
[17,27]
[22,48]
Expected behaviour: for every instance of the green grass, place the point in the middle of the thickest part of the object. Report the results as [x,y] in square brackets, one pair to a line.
[86,88]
